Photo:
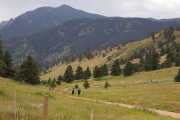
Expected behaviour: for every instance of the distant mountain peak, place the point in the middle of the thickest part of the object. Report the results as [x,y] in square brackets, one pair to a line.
[43,18]
[65,6]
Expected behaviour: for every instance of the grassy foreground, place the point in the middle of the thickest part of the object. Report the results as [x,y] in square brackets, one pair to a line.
[61,106]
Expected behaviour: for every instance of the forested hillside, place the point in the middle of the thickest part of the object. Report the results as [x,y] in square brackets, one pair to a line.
[158,51]
[78,36]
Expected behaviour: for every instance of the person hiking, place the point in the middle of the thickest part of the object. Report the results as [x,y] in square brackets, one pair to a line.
[73,91]
[79,92]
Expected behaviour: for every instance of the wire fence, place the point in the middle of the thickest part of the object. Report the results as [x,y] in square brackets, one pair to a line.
[29,109]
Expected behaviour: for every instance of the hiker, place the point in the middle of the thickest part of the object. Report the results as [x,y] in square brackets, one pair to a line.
[79,92]
[73,91]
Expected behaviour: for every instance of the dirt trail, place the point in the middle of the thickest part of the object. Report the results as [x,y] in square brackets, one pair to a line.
[160,112]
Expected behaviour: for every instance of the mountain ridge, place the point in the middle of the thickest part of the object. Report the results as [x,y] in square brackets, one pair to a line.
[82,35]
[43,18]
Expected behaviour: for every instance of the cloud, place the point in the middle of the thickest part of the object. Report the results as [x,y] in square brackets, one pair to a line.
[124,8]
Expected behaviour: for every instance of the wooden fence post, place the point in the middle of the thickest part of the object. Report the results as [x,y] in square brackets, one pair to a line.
[46,108]
[92,115]
[15,109]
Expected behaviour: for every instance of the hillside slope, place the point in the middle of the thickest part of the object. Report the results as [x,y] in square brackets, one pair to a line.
[82,35]
[121,52]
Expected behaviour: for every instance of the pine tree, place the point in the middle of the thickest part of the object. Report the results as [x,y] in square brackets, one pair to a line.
[104,70]
[96,72]
[87,73]
[86,84]
[129,69]
[2,65]
[177,78]
[29,71]
[68,75]
[8,70]
[79,73]
[155,61]
[1,48]
[116,70]
[152,61]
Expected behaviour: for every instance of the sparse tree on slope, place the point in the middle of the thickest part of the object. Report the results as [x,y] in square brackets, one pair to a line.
[96,72]
[116,70]
[129,69]
[68,75]
[104,70]
[87,73]
[79,73]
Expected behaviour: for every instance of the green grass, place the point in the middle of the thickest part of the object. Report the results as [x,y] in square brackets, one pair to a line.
[61,107]
[154,89]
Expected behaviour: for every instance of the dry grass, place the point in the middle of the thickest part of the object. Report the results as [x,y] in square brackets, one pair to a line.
[61,107]
[154,89]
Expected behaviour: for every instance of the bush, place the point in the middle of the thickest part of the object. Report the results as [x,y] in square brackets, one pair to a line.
[177,78]
[106,85]
[86,84]
[76,86]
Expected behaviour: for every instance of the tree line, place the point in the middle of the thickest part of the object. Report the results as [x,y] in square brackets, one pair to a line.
[27,71]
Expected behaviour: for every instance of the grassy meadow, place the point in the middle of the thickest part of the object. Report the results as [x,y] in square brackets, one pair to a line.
[64,107]
[154,89]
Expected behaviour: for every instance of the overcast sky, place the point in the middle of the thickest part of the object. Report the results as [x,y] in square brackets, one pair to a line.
[124,8]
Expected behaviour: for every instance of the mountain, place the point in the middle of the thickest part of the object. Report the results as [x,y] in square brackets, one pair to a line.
[133,51]
[42,18]
[82,35]
[3,24]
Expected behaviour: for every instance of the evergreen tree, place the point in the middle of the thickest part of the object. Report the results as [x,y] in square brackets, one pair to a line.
[79,73]
[2,65]
[1,48]
[96,72]
[106,85]
[53,83]
[177,78]
[104,70]
[116,70]
[87,73]
[68,75]
[29,71]
[86,84]
[8,69]
[155,61]
[60,78]
[152,61]
[129,69]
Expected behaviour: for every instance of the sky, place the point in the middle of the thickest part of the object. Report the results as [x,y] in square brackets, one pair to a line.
[160,9]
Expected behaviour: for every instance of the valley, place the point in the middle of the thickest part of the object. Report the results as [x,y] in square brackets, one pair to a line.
[63,63]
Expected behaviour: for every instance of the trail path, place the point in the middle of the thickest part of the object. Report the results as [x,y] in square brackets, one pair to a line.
[160,112]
